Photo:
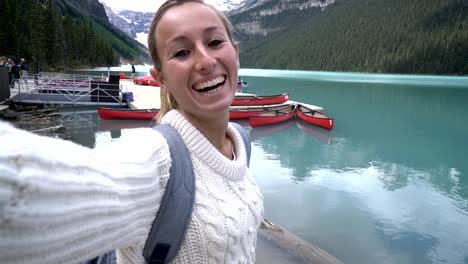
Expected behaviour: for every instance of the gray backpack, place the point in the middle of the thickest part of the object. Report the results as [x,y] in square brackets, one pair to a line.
[170,225]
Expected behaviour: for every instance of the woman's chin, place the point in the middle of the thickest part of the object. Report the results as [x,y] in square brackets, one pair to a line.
[219,107]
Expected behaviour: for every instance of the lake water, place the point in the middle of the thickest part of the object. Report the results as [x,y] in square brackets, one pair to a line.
[389,184]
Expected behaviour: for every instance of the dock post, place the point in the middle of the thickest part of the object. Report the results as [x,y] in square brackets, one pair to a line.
[4,85]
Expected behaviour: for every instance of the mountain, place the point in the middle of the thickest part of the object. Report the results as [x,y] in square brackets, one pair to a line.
[136,23]
[260,18]
[57,35]
[398,36]
[126,47]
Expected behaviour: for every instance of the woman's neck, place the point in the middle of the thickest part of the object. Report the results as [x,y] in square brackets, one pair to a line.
[215,130]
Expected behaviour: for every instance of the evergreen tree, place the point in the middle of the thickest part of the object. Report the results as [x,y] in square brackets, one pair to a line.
[399,36]
[8,39]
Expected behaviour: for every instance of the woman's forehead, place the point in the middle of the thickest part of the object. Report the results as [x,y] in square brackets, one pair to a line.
[187,17]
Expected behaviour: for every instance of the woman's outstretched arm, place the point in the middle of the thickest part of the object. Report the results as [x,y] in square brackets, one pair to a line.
[61,202]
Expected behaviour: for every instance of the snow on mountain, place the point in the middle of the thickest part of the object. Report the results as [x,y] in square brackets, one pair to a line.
[135,23]
[227,5]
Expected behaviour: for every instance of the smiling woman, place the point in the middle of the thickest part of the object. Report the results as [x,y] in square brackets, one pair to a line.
[55,200]
[196,61]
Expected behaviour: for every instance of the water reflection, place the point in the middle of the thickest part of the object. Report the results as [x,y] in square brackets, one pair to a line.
[399,241]
[352,215]
[106,125]
[392,185]
[317,132]
[321,134]
[81,124]
[419,127]
[266,131]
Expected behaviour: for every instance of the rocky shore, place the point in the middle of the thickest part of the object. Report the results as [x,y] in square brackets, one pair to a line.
[39,119]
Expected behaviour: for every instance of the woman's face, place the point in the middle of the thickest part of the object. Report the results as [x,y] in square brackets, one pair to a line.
[199,63]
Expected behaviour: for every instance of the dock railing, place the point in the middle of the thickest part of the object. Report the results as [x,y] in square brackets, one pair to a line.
[58,88]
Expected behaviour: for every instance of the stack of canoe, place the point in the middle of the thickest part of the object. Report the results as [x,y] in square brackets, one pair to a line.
[246,105]
[259,110]
[286,112]
[242,107]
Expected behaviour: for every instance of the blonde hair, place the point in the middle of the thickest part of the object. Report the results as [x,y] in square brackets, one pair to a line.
[168,101]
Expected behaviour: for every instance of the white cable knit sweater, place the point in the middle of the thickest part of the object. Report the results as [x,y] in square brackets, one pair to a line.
[64,203]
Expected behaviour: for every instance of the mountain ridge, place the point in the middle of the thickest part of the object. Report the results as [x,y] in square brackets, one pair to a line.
[129,49]
[353,35]
[417,37]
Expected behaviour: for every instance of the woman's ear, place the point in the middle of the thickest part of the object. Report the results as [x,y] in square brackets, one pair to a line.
[158,77]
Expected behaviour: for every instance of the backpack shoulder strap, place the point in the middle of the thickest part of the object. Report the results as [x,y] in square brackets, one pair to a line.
[171,222]
[246,138]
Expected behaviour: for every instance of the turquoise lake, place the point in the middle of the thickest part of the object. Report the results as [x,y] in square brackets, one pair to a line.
[389,184]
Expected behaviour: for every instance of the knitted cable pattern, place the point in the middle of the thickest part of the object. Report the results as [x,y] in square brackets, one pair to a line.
[228,205]
[64,203]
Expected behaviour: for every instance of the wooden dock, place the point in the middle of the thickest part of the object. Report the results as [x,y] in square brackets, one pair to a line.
[66,89]
[144,96]
[147,97]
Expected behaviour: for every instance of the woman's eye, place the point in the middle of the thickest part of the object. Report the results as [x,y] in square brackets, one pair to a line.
[181,53]
[215,43]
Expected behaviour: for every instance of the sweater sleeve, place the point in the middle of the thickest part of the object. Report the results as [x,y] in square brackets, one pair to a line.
[64,203]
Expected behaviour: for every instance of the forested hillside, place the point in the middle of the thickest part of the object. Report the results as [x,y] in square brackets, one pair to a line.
[63,34]
[398,36]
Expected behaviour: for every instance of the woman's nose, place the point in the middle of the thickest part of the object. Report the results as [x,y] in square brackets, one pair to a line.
[205,60]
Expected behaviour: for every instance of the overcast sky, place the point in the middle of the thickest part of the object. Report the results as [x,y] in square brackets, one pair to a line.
[143,5]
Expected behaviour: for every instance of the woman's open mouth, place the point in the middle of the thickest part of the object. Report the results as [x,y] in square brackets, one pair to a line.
[210,85]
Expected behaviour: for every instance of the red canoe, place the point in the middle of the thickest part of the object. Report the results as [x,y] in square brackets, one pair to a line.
[127,114]
[244,112]
[314,117]
[260,99]
[274,116]
[146,80]
[123,76]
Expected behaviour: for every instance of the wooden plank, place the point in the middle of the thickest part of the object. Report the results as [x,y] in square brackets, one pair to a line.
[144,96]
[280,246]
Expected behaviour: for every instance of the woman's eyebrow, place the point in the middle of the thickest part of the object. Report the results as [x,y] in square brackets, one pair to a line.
[211,29]
[181,38]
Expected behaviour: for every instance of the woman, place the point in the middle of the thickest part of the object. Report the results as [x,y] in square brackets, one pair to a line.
[59,208]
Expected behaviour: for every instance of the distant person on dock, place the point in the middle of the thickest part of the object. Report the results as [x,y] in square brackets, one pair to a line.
[64,203]
[133,72]
[240,85]
[24,71]
[11,72]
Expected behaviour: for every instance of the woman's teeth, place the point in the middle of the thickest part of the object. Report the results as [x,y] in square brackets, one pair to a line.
[210,85]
